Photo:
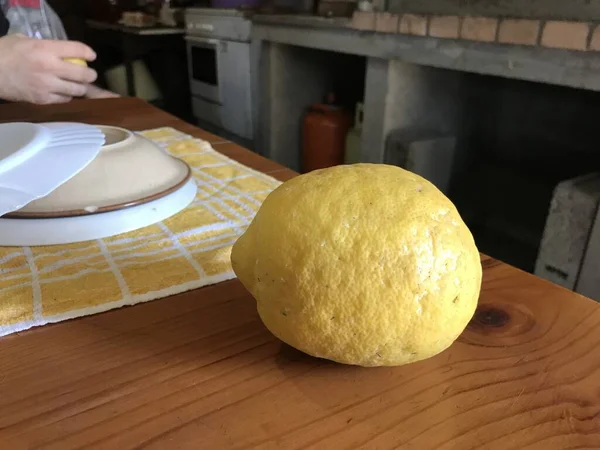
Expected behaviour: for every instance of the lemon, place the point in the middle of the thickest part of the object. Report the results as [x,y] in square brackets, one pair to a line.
[364,264]
[78,61]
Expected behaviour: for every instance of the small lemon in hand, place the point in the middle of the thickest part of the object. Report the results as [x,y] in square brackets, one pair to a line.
[78,61]
[366,264]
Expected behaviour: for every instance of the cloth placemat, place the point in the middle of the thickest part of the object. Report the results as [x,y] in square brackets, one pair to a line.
[40,285]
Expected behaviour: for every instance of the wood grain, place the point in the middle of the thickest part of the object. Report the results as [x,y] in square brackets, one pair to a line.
[200,371]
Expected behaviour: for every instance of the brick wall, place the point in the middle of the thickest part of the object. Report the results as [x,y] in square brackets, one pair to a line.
[524,9]
[556,34]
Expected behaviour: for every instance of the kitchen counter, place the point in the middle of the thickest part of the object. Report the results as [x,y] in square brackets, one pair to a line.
[409,80]
[199,370]
[301,20]
[560,67]
[279,19]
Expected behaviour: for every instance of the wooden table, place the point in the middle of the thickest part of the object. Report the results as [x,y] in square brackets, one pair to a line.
[156,30]
[134,43]
[199,370]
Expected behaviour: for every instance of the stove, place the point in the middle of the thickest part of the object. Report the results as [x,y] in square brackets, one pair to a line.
[218,48]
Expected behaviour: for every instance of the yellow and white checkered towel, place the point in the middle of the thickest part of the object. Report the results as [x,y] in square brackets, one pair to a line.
[40,285]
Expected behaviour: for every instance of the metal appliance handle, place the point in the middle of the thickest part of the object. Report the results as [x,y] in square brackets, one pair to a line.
[204,42]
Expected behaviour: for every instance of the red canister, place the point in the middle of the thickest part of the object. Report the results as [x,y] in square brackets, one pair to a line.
[324,136]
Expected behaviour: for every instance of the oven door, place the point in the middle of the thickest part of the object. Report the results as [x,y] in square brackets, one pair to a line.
[203,67]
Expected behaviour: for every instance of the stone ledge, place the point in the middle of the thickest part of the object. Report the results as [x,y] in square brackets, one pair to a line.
[553,34]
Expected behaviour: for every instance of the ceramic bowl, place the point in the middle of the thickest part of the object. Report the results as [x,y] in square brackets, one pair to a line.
[129,170]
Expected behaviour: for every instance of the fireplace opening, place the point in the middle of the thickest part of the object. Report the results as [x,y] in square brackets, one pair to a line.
[519,140]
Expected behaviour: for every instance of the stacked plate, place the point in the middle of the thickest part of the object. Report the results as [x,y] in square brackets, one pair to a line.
[67,182]
[36,159]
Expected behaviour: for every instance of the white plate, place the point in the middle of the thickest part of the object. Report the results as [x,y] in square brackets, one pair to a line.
[67,230]
[128,170]
[19,142]
[39,158]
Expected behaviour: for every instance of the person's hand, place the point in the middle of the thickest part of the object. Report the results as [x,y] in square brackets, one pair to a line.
[34,70]
[96,92]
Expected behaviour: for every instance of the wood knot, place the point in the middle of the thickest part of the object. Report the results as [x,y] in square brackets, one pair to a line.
[490,316]
[500,325]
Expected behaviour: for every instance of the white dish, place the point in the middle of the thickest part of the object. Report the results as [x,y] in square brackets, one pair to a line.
[129,170]
[67,230]
[40,158]
[20,141]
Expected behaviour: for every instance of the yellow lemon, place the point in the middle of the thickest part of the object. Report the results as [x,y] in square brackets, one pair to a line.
[364,264]
[78,61]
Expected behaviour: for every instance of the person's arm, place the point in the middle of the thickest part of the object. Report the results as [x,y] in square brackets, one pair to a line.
[35,71]
[59,32]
